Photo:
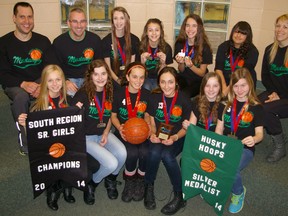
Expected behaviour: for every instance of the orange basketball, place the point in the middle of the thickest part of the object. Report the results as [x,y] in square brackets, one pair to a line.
[207,165]
[35,54]
[89,53]
[247,117]
[136,130]
[57,150]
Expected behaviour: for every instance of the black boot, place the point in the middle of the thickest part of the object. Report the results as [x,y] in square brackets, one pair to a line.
[68,195]
[89,193]
[176,204]
[139,188]
[127,194]
[53,194]
[149,198]
[111,186]
[279,148]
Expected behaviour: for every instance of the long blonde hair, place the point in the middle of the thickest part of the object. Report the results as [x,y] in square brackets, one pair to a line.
[42,102]
[275,46]
[242,73]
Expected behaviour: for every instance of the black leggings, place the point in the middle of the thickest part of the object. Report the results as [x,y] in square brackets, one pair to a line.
[136,155]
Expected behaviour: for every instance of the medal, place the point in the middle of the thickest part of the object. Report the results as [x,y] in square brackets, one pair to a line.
[186,48]
[100,108]
[235,119]
[164,130]
[153,55]
[52,103]
[132,112]
[232,136]
[101,125]
[122,55]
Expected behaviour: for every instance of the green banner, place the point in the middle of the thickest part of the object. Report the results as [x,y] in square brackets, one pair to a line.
[209,163]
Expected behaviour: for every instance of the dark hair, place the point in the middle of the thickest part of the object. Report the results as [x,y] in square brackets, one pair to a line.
[128,69]
[200,38]
[89,86]
[245,29]
[164,70]
[145,40]
[21,4]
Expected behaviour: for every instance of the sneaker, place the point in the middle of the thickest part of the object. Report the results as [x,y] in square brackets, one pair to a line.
[237,202]
[23,150]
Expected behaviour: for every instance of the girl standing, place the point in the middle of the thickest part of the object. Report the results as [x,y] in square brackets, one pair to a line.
[205,107]
[131,101]
[275,79]
[155,52]
[237,52]
[121,46]
[96,95]
[167,108]
[241,118]
[193,54]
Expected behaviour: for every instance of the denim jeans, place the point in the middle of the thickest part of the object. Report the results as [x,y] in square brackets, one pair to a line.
[150,84]
[111,157]
[246,158]
[167,154]
[78,81]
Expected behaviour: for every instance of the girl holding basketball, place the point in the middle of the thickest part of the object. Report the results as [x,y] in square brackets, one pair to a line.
[205,106]
[53,96]
[168,107]
[241,118]
[96,96]
[129,102]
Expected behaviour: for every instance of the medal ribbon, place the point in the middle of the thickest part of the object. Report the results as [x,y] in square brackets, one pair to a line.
[132,112]
[235,120]
[186,48]
[100,107]
[121,52]
[154,54]
[52,103]
[208,122]
[232,63]
[168,114]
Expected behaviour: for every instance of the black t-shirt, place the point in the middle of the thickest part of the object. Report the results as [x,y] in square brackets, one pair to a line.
[120,105]
[91,112]
[108,51]
[252,118]
[22,61]
[275,75]
[223,61]
[195,110]
[180,111]
[207,58]
[74,56]
[152,65]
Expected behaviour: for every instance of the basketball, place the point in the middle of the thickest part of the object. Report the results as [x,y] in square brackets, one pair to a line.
[136,130]
[57,150]
[207,165]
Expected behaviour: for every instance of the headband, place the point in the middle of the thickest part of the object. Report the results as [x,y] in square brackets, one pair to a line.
[135,66]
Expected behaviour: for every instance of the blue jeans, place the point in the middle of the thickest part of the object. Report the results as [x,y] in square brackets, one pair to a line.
[150,84]
[111,157]
[78,82]
[167,154]
[246,158]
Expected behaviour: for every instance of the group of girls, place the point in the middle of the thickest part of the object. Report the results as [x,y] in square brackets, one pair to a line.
[114,91]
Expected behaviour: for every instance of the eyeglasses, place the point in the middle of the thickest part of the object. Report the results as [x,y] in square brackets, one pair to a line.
[75,22]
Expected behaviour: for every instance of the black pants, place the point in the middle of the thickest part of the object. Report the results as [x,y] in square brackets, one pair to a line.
[136,154]
[274,111]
